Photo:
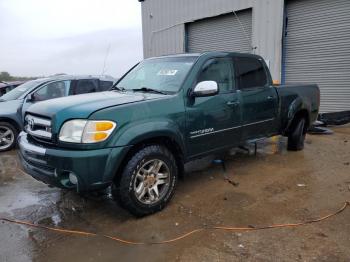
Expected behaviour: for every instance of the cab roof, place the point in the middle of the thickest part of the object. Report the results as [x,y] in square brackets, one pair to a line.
[209,54]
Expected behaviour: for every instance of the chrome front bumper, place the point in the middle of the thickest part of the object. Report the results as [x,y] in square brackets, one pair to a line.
[27,147]
[34,163]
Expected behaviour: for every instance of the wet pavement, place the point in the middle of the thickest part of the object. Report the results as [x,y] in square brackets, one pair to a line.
[275,186]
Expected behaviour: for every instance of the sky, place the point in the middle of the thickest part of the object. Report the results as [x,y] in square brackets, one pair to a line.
[46,37]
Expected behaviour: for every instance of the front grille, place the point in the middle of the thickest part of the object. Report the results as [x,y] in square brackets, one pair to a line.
[38,127]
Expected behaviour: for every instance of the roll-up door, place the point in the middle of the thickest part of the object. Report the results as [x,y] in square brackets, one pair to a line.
[221,33]
[317,49]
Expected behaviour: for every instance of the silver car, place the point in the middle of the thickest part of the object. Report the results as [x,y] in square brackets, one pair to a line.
[14,103]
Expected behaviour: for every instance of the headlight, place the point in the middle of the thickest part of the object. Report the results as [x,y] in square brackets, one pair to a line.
[84,131]
[72,131]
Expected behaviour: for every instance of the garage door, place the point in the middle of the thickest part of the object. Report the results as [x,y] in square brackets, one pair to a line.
[221,33]
[318,50]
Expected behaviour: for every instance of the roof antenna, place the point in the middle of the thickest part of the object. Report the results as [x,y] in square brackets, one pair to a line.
[105,60]
[245,33]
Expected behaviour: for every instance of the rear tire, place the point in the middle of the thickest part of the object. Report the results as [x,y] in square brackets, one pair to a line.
[297,135]
[8,136]
[147,182]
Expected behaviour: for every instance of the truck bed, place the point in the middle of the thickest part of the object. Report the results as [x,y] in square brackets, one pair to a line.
[294,97]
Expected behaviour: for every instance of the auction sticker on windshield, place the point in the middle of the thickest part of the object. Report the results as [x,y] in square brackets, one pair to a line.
[167,72]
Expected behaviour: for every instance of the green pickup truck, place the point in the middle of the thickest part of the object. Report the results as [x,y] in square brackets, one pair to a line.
[164,112]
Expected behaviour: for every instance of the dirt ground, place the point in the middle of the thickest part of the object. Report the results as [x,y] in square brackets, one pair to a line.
[275,186]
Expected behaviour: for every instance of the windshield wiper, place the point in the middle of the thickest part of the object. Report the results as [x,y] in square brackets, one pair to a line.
[119,88]
[147,89]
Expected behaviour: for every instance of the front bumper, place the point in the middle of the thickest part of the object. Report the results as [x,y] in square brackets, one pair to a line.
[94,169]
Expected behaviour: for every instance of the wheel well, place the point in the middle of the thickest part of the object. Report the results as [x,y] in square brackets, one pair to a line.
[11,121]
[299,115]
[169,143]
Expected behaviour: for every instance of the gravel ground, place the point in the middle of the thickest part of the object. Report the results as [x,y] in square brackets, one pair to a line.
[275,186]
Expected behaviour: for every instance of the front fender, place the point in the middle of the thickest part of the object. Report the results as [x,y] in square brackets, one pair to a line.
[12,111]
[137,132]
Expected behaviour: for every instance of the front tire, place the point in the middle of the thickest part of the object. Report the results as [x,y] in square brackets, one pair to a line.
[8,136]
[147,182]
[297,135]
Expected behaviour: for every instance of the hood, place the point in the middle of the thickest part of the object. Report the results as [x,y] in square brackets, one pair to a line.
[9,107]
[82,106]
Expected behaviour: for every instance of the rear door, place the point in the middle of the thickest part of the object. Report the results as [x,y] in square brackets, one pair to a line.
[213,122]
[258,98]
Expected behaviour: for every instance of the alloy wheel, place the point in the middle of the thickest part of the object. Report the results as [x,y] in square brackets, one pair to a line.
[7,137]
[152,181]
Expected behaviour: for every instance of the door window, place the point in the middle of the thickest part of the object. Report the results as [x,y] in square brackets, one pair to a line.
[219,70]
[251,73]
[105,85]
[86,86]
[52,90]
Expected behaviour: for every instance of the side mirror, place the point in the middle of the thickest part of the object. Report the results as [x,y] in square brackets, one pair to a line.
[205,88]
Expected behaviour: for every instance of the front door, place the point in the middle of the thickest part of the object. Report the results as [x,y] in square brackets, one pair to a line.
[213,122]
[258,99]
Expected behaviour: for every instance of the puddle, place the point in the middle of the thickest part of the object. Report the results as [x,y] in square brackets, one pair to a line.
[274,187]
[17,200]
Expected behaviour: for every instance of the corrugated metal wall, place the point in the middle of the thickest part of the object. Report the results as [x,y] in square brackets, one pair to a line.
[318,49]
[164,25]
[228,32]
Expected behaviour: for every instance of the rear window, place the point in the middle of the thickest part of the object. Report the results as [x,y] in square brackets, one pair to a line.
[251,72]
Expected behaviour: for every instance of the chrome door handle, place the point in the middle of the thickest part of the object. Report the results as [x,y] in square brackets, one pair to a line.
[270,97]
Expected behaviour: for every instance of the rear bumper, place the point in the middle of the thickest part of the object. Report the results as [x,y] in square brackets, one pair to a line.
[94,169]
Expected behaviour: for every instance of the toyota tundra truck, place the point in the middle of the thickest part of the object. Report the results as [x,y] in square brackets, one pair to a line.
[164,112]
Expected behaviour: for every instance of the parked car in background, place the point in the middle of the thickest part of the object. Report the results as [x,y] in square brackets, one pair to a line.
[163,113]
[6,87]
[2,88]
[14,103]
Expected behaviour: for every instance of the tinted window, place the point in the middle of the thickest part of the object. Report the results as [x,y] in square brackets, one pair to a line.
[105,85]
[86,86]
[52,90]
[251,72]
[219,70]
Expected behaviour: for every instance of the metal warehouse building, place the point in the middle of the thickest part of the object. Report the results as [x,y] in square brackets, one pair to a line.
[302,40]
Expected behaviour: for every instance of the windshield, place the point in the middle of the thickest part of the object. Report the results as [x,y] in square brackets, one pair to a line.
[20,90]
[160,74]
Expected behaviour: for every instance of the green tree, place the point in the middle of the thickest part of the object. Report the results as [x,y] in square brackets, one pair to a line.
[5,76]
